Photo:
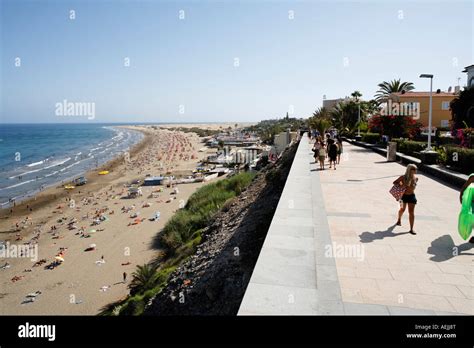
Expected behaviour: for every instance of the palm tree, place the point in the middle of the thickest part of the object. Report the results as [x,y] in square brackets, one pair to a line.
[320,124]
[356,95]
[321,113]
[394,86]
[144,278]
[462,109]
[337,115]
[345,114]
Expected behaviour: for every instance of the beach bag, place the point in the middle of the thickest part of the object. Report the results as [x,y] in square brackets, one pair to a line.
[316,152]
[466,216]
[397,192]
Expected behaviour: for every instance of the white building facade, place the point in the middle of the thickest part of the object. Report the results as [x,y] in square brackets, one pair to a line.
[470,75]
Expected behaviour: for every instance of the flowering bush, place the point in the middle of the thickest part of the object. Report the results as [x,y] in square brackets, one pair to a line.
[464,136]
[395,126]
[371,138]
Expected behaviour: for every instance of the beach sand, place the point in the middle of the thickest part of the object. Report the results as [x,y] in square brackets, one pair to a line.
[83,283]
[210,126]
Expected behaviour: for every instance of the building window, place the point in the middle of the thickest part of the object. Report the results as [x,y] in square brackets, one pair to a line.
[444,123]
[471,82]
[445,105]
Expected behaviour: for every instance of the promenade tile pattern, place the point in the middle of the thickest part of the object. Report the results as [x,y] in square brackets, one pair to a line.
[375,268]
[432,271]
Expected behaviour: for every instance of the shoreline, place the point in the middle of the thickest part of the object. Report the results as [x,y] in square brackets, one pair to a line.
[31,196]
[39,198]
[82,275]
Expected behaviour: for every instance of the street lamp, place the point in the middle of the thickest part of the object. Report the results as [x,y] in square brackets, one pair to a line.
[358,131]
[429,76]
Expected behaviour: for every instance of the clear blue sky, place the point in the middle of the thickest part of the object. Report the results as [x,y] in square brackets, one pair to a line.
[190,62]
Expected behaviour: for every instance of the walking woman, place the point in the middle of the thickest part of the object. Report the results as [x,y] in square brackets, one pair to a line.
[322,155]
[408,181]
[316,148]
[332,153]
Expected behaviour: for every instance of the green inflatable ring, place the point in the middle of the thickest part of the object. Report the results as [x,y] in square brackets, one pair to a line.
[466,216]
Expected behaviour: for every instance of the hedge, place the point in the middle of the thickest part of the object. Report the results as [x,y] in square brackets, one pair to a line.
[371,138]
[446,141]
[460,158]
[409,147]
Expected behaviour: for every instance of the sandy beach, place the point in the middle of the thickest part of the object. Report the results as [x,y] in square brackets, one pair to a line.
[210,126]
[64,225]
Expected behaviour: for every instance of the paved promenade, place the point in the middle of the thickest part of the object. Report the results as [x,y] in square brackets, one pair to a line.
[333,247]
[431,271]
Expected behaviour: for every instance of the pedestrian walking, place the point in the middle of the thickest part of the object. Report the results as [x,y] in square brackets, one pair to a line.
[408,182]
[124,277]
[332,153]
[321,155]
[316,148]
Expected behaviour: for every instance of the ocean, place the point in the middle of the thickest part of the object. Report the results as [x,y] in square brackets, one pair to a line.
[35,156]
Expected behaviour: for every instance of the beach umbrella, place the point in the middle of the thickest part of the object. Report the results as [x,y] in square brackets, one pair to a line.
[59,258]
[92,246]
[92,231]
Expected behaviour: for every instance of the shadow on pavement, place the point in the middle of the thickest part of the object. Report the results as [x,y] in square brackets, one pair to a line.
[369,237]
[382,177]
[443,249]
[358,149]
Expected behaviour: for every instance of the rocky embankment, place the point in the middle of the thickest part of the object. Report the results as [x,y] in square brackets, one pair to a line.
[214,279]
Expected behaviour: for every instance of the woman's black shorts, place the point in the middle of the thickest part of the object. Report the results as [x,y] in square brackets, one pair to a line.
[409,198]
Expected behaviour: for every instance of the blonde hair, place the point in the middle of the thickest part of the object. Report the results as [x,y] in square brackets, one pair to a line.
[408,178]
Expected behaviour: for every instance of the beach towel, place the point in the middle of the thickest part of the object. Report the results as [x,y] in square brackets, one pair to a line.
[397,191]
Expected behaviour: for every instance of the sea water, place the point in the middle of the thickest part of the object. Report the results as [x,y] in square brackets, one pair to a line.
[35,156]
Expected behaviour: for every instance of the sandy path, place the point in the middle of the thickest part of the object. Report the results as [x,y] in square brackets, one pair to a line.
[74,287]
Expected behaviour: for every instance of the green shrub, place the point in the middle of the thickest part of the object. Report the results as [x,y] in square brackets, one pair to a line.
[409,147]
[201,206]
[371,138]
[442,155]
[133,306]
[446,141]
[462,159]
[238,183]
[163,274]
[144,278]
[364,126]
[136,303]
[347,134]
